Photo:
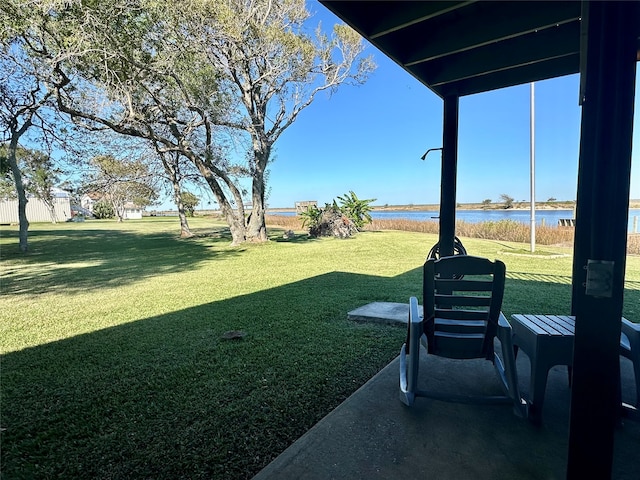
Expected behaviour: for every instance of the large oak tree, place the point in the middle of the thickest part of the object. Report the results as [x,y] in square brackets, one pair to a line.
[275,69]
[188,75]
[25,106]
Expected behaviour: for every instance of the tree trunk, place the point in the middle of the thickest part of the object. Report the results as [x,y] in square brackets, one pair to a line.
[52,211]
[171,169]
[185,231]
[22,197]
[233,217]
[257,229]
[119,212]
[235,220]
[238,230]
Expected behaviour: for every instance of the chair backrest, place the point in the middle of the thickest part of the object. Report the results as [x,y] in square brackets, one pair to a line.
[462,298]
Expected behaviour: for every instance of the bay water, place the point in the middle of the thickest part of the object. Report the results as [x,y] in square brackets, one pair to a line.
[550,218]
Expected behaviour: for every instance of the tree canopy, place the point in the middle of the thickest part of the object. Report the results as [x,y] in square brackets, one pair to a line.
[38,172]
[507,200]
[121,183]
[190,202]
[192,80]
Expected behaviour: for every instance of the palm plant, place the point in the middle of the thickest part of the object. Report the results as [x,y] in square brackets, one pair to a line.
[311,216]
[355,209]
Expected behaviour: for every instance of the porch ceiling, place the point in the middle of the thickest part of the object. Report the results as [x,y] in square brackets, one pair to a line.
[465,47]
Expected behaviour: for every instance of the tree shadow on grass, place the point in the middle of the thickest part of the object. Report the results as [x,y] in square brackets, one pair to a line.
[71,260]
[557,294]
[167,397]
[276,235]
[540,277]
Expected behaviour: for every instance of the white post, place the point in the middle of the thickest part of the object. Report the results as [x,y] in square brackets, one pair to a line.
[532,152]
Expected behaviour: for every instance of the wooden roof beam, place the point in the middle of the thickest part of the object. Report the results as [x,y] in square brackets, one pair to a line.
[520,51]
[427,41]
[418,12]
[533,72]
[373,19]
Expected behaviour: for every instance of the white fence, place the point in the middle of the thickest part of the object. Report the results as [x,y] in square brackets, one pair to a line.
[37,211]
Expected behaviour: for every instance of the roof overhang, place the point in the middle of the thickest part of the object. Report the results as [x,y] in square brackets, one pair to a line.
[465,47]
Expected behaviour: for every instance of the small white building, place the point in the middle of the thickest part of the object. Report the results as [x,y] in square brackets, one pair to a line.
[37,210]
[88,200]
[131,211]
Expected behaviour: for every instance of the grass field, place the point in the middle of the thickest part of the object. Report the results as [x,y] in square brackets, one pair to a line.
[114,362]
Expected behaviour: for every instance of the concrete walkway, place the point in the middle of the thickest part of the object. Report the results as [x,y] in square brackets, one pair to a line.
[382,312]
[373,435]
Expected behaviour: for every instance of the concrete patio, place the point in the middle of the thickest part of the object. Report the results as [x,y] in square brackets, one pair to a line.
[372,435]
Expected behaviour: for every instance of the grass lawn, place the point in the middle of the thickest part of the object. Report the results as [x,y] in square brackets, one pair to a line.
[114,363]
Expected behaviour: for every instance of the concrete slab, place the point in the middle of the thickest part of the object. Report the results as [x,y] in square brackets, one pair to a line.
[372,435]
[382,312]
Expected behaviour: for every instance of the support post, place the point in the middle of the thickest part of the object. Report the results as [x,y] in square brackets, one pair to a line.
[448,176]
[601,232]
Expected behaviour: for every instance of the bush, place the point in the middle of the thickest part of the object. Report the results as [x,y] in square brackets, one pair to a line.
[311,216]
[189,203]
[103,209]
[355,209]
[339,221]
[328,221]
[333,222]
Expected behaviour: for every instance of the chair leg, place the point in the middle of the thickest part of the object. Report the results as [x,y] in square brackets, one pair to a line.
[538,387]
[632,411]
[407,383]
[632,331]
[636,371]
[635,359]
[634,356]
[410,356]
[508,373]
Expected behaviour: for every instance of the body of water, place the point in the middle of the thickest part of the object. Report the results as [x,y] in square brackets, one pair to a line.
[550,217]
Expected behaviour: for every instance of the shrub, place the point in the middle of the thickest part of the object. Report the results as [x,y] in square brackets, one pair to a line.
[103,209]
[311,216]
[358,211]
[189,203]
[333,222]
[338,221]
[328,221]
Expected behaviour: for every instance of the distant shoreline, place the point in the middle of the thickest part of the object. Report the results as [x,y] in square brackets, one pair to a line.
[563,205]
[479,206]
[461,206]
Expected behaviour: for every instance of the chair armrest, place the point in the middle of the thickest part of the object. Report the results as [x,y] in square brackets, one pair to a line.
[409,353]
[414,326]
[630,329]
[503,322]
[630,338]
[414,312]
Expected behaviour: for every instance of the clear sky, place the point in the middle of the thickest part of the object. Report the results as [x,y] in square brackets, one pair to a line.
[370,138]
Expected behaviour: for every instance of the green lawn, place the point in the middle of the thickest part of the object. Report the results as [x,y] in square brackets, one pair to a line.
[113,363]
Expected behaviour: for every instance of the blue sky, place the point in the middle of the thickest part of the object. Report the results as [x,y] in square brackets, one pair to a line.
[370,138]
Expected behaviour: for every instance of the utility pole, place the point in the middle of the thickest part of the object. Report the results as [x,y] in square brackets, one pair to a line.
[532,155]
